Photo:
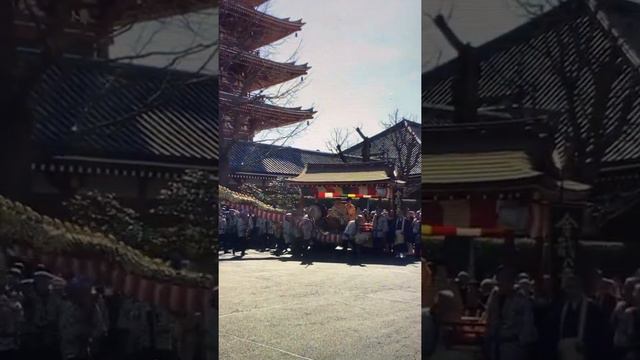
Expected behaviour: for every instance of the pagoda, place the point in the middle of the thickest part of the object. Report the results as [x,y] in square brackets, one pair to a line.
[245,74]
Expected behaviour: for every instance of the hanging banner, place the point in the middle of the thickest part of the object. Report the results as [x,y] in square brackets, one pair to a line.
[566,222]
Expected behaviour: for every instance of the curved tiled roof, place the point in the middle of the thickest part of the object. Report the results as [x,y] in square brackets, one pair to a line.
[264,116]
[265,72]
[476,167]
[515,65]
[383,143]
[96,108]
[361,173]
[264,159]
[267,28]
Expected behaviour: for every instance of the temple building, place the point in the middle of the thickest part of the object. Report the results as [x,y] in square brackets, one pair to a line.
[121,128]
[245,102]
[506,161]
[492,174]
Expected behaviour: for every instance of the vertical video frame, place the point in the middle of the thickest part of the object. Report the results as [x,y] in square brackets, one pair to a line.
[108,179]
[319,179]
[529,179]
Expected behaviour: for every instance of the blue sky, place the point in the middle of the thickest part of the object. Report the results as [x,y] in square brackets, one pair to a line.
[365,57]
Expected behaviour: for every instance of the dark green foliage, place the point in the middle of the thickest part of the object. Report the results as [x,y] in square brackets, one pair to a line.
[187,214]
[190,205]
[102,212]
[277,193]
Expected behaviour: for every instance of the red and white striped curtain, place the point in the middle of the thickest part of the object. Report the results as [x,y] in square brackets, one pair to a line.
[176,297]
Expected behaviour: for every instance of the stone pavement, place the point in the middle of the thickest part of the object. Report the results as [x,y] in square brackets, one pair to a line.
[281,308]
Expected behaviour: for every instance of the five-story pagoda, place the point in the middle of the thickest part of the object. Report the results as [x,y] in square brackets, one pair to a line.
[245,75]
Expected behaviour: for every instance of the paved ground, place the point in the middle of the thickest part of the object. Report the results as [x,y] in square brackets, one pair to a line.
[280,308]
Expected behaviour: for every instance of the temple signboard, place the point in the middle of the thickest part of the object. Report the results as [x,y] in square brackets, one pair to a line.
[566,230]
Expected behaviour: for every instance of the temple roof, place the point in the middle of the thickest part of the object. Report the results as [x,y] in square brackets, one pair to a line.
[514,56]
[250,158]
[477,167]
[263,73]
[91,108]
[265,116]
[265,28]
[406,134]
[344,173]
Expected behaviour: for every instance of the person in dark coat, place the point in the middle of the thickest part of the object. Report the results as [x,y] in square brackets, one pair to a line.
[627,333]
[391,230]
[577,324]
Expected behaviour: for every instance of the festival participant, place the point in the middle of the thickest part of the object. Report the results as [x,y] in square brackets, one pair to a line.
[350,233]
[436,322]
[232,230]
[211,329]
[461,289]
[627,334]
[11,317]
[486,288]
[581,328]
[391,231]
[306,227]
[42,317]
[269,233]
[222,229]
[416,226]
[380,227]
[402,234]
[243,227]
[525,287]
[12,281]
[626,300]
[351,210]
[287,232]
[261,233]
[160,335]
[510,324]
[409,238]
[77,321]
[101,321]
[606,297]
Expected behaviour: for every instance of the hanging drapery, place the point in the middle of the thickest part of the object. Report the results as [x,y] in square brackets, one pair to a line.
[67,249]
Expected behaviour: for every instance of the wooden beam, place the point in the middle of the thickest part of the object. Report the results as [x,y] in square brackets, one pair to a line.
[449,35]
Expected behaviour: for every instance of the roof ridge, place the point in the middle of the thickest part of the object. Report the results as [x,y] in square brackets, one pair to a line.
[603,19]
[533,23]
[388,130]
[128,66]
[284,147]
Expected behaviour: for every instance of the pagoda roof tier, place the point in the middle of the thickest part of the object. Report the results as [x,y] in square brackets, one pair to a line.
[265,29]
[263,116]
[264,73]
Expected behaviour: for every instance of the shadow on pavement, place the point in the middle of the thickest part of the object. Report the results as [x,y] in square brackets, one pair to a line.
[329,256]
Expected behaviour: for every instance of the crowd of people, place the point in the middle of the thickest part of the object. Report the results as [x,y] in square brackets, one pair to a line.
[49,316]
[299,231]
[591,317]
